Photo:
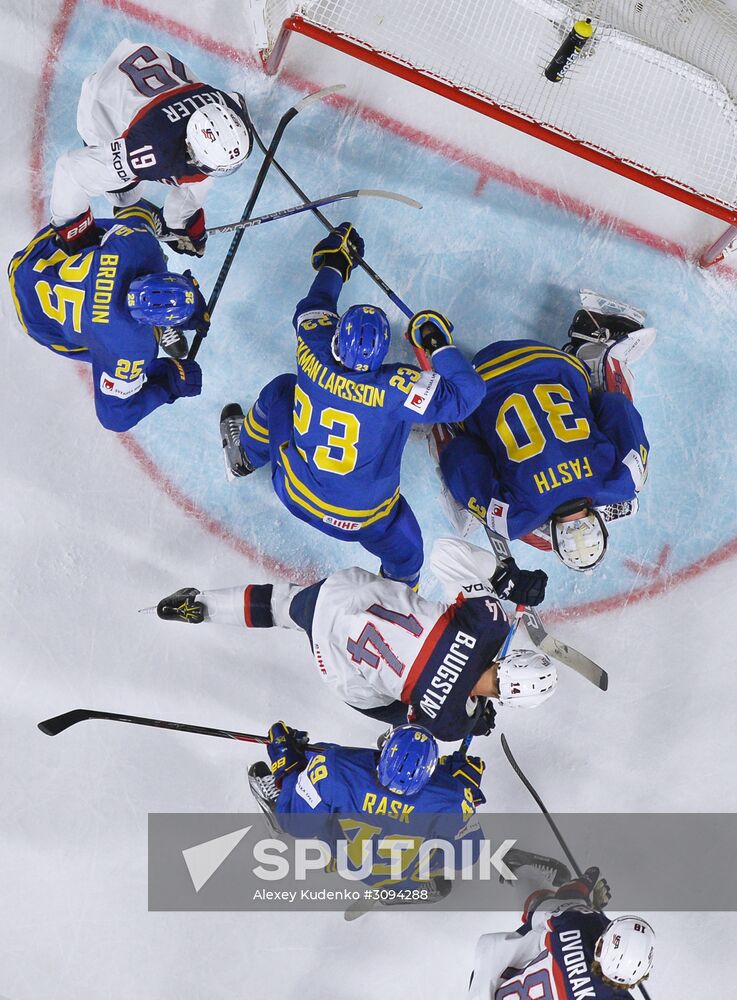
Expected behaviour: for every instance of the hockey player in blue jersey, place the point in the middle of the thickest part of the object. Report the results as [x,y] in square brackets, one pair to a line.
[334,434]
[365,795]
[565,949]
[109,306]
[144,116]
[557,447]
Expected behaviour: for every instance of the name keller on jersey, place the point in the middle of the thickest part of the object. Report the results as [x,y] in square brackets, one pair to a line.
[447,674]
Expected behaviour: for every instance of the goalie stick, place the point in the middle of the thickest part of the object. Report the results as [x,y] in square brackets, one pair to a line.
[560,651]
[551,823]
[268,159]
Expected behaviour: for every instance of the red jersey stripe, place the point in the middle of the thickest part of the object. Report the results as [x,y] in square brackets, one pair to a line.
[169,94]
[247,606]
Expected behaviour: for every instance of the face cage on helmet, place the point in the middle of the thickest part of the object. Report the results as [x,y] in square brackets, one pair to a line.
[554,543]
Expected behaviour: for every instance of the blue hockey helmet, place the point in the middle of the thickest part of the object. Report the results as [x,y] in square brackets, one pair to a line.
[408,758]
[163,299]
[362,338]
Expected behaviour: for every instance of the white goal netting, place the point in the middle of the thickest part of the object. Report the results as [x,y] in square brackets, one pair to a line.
[655,87]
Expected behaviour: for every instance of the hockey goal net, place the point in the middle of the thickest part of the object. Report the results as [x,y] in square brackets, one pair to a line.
[651,96]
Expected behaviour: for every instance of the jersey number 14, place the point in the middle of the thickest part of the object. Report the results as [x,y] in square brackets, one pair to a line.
[371,637]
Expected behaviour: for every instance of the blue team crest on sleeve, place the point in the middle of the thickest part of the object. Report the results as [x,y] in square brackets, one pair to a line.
[683,389]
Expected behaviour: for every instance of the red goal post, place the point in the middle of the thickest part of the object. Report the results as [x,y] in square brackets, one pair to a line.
[652,96]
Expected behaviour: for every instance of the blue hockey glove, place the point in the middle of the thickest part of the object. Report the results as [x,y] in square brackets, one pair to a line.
[193,237]
[286,751]
[430,330]
[521,586]
[339,250]
[156,215]
[467,769]
[200,318]
[78,234]
[183,378]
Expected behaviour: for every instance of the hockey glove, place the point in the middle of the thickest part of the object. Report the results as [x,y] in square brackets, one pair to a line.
[430,330]
[286,751]
[192,239]
[590,884]
[339,250]
[183,378]
[600,892]
[468,770]
[79,233]
[200,318]
[182,607]
[146,211]
[484,718]
[521,586]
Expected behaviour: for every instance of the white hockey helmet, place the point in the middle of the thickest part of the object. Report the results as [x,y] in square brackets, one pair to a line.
[218,140]
[624,952]
[526,678]
[580,544]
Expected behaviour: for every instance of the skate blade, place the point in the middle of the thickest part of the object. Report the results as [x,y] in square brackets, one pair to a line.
[228,472]
[148,611]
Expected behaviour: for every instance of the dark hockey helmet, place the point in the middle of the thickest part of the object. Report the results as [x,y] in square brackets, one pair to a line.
[164,299]
[362,338]
[408,758]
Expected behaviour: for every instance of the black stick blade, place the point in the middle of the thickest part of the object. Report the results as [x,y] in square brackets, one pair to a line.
[52,727]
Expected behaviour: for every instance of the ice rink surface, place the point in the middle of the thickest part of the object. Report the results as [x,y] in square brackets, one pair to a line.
[97,526]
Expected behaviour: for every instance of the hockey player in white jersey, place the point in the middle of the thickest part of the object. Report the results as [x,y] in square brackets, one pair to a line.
[566,949]
[144,115]
[391,653]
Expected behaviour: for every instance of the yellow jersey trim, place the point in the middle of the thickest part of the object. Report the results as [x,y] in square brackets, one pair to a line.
[321,508]
[15,263]
[524,355]
[137,212]
[256,425]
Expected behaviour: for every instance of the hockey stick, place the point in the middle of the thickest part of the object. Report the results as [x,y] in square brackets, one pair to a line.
[60,723]
[560,651]
[285,213]
[502,653]
[551,823]
[268,159]
[359,261]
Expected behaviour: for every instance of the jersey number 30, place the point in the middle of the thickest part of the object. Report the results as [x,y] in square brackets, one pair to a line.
[557,412]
